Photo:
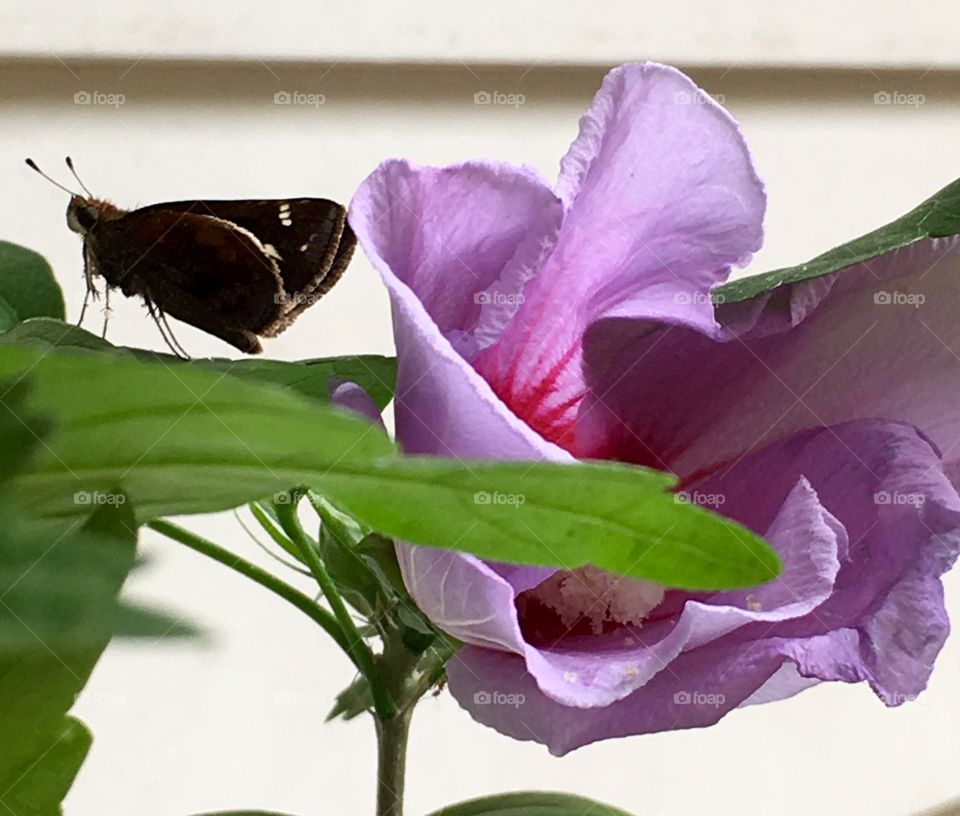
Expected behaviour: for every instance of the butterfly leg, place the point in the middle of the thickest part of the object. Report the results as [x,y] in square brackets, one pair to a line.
[83,309]
[163,321]
[106,313]
[160,319]
[89,270]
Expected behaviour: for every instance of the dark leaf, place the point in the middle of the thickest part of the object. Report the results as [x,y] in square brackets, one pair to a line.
[244,813]
[532,803]
[59,585]
[27,285]
[21,431]
[937,217]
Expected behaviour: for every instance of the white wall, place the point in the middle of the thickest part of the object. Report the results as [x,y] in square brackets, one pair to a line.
[854,33]
[237,721]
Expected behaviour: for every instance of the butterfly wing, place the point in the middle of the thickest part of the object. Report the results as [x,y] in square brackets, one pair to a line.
[200,269]
[308,237]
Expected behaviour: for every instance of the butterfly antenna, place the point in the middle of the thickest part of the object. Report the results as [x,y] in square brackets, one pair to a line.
[33,166]
[79,180]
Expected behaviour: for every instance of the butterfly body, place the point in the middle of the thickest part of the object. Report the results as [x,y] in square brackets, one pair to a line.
[239,270]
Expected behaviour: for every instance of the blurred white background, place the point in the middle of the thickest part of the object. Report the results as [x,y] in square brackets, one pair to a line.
[236,721]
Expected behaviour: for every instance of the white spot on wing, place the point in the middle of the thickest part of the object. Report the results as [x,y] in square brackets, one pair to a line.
[271,252]
[253,239]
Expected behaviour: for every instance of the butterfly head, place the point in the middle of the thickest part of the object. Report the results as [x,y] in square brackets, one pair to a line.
[83,214]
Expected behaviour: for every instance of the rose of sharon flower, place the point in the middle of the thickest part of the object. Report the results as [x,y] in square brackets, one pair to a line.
[576,322]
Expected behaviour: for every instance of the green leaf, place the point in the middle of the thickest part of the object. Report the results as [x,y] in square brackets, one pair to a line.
[42,747]
[341,526]
[175,440]
[190,441]
[377,375]
[21,432]
[46,332]
[380,555]
[27,285]
[937,217]
[59,583]
[36,782]
[8,315]
[417,632]
[58,609]
[36,787]
[532,803]
[266,517]
[352,556]
[354,700]
[58,589]
[353,579]
[617,517]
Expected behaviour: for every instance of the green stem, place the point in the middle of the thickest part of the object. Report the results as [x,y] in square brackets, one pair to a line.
[303,602]
[357,647]
[395,688]
[392,738]
[270,528]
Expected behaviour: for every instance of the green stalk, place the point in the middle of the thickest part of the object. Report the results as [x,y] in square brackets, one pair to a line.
[392,736]
[358,649]
[303,602]
[396,681]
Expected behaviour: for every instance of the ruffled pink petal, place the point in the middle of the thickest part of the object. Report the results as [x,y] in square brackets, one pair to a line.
[588,671]
[463,238]
[596,671]
[661,200]
[419,226]
[859,600]
[695,690]
[879,339]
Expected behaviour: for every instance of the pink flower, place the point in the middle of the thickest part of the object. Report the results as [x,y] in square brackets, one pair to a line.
[533,322]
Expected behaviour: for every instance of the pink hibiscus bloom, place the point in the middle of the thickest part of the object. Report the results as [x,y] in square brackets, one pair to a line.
[576,322]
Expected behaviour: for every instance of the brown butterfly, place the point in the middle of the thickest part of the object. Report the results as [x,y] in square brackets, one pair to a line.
[238,270]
